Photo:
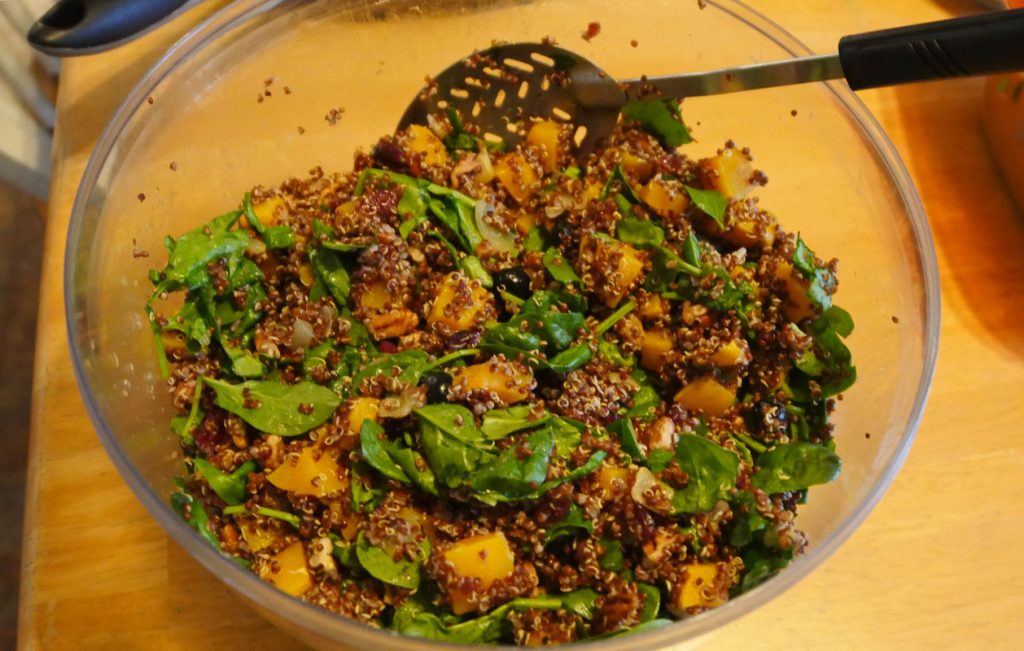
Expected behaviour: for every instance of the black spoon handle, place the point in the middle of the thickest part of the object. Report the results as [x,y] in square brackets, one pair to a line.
[961,47]
[74,27]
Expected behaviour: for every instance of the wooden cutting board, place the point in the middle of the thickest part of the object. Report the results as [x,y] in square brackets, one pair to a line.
[936,564]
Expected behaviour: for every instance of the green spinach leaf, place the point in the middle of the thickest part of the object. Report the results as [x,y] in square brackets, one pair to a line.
[795,466]
[712,472]
[282,409]
[660,118]
[229,486]
[712,202]
[559,268]
[499,423]
[381,563]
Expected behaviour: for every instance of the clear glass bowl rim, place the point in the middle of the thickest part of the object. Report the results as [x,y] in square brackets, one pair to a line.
[338,628]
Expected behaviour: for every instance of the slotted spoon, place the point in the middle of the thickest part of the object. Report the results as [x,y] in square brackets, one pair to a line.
[503,87]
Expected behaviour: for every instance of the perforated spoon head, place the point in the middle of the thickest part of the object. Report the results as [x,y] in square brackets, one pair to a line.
[502,88]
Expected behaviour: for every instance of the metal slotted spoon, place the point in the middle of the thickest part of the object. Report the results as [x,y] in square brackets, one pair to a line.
[503,87]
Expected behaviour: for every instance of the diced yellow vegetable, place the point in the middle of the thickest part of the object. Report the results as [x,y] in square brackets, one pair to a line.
[525,221]
[258,537]
[667,198]
[653,306]
[592,191]
[292,575]
[175,345]
[701,587]
[730,172]
[706,395]
[511,381]
[747,232]
[306,474]
[486,557]
[796,305]
[612,480]
[618,267]
[657,342]
[374,296]
[460,304]
[266,210]
[639,168]
[423,141]
[306,275]
[545,136]
[349,518]
[517,175]
[360,409]
[733,353]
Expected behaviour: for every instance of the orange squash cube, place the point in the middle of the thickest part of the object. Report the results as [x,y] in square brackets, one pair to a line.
[305,473]
[460,304]
[518,177]
[730,172]
[510,381]
[706,395]
[612,480]
[292,575]
[703,586]
[546,137]
[486,557]
[796,305]
[422,140]
[657,342]
[667,198]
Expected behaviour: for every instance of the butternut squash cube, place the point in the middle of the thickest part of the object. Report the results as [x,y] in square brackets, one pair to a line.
[545,136]
[749,233]
[592,191]
[292,575]
[256,536]
[518,177]
[423,141]
[733,353]
[667,198]
[306,474]
[730,172]
[796,306]
[639,168]
[616,267]
[657,342]
[703,586]
[525,221]
[460,304]
[510,381]
[612,480]
[361,409]
[374,296]
[486,557]
[267,210]
[706,395]
[652,307]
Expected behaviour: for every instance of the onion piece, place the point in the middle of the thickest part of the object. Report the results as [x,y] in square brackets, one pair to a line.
[302,334]
[401,405]
[499,241]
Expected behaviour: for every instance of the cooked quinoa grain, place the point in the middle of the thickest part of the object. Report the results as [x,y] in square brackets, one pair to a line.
[504,397]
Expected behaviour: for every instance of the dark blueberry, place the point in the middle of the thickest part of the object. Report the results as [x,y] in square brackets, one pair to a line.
[562,232]
[769,417]
[437,383]
[515,281]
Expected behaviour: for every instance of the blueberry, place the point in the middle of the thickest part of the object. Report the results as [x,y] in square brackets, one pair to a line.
[515,281]
[437,383]
[562,232]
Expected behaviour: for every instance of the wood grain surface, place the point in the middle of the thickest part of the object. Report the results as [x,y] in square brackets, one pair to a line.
[937,564]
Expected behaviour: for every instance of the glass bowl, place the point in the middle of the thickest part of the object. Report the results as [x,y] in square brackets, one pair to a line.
[199,130]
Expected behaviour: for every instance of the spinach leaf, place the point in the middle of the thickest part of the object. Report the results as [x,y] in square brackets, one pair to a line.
[739,296]
[795,466]
[658,460]
[546,300]
[499,423]
[623,429]
[365,496]
[641,232]
[568,434]
[571,359]
[691,250]
[534,241]
[822,281]
[458,138]
[612,559]
[652,602]
[712,472]
[282,409]
[760,565]
[229,486]
[569,525]
[411,365]
[189,255]
[452,445]
[559,267]
[377,451]
[417,617]
[330,269]
[381,564]
[646,400]
[191,511]
[283,516]
[712,202]
[660,118]
[512,478]
[827,331]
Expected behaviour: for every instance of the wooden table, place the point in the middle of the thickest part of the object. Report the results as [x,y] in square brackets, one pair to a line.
[936,564]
